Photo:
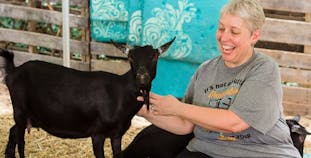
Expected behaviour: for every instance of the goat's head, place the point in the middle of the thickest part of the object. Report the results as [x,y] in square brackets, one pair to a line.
[143,61]
[298,132]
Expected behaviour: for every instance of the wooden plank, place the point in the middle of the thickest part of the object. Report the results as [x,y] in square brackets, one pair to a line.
[13,2]
[295,32]
[106,48]
[289,59]
[285,16]
[296,109]
[297,95]
[31,25]
[307,49]
[303,6]
[41,15]
[296,75]
[22,57]
[38,39]
[86,35]
[81,3]
[113,66]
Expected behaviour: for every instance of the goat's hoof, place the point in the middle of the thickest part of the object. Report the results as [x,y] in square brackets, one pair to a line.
[9,153]
[9,156]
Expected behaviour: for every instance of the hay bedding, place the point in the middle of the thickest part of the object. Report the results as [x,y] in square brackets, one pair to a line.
[39,144]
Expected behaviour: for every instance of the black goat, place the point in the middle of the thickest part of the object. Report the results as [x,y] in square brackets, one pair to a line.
[298,133]
[68,103]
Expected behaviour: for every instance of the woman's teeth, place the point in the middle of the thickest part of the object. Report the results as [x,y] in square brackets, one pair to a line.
[228,48]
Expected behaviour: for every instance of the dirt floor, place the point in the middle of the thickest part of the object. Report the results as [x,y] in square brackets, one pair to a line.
[40,144]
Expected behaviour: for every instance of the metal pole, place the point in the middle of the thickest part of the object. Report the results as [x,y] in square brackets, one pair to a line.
[66,33]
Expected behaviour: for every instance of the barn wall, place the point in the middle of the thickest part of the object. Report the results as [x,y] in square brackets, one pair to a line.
[286,37]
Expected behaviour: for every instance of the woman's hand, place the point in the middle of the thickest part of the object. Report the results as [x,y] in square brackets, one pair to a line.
[143,111]
[163,113]
[163,105]
[159,105]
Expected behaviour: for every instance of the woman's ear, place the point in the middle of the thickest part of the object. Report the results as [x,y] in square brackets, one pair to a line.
[255,36]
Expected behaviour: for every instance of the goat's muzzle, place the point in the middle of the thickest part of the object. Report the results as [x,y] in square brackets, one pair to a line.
[143,78]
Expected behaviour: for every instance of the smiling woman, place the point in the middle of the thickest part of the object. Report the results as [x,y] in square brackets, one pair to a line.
[238,31]
[228,118]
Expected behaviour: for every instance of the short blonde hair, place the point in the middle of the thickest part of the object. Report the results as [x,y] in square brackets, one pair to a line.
[249,10]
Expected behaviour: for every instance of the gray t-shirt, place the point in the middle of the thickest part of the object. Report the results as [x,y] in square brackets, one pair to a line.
[252,91]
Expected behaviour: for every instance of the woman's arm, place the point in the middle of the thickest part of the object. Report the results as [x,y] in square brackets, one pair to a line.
[172,124]
[219,120]
[212,119]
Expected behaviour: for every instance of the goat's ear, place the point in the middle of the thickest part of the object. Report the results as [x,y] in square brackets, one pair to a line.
[297,118]
[165,46]
[122,47]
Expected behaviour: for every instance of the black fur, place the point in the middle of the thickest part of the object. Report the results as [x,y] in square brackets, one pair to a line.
[68,103]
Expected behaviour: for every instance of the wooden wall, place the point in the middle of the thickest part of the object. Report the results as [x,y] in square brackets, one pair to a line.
[288,27]
[29,36]
[286,37]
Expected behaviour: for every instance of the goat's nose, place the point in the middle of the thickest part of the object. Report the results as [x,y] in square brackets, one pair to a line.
[143,79]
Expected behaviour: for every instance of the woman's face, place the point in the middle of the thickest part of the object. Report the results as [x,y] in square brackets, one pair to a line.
[235,40]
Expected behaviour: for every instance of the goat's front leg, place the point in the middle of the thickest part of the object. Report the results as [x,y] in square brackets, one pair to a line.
[116,147]
[98,143]
[10,147]
[20,139]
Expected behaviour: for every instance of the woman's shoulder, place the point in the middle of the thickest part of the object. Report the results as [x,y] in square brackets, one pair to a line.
[211,62]
[264,64]
[264,58]
[265,61]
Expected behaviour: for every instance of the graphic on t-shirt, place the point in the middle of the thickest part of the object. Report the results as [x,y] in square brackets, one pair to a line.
[222,95]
